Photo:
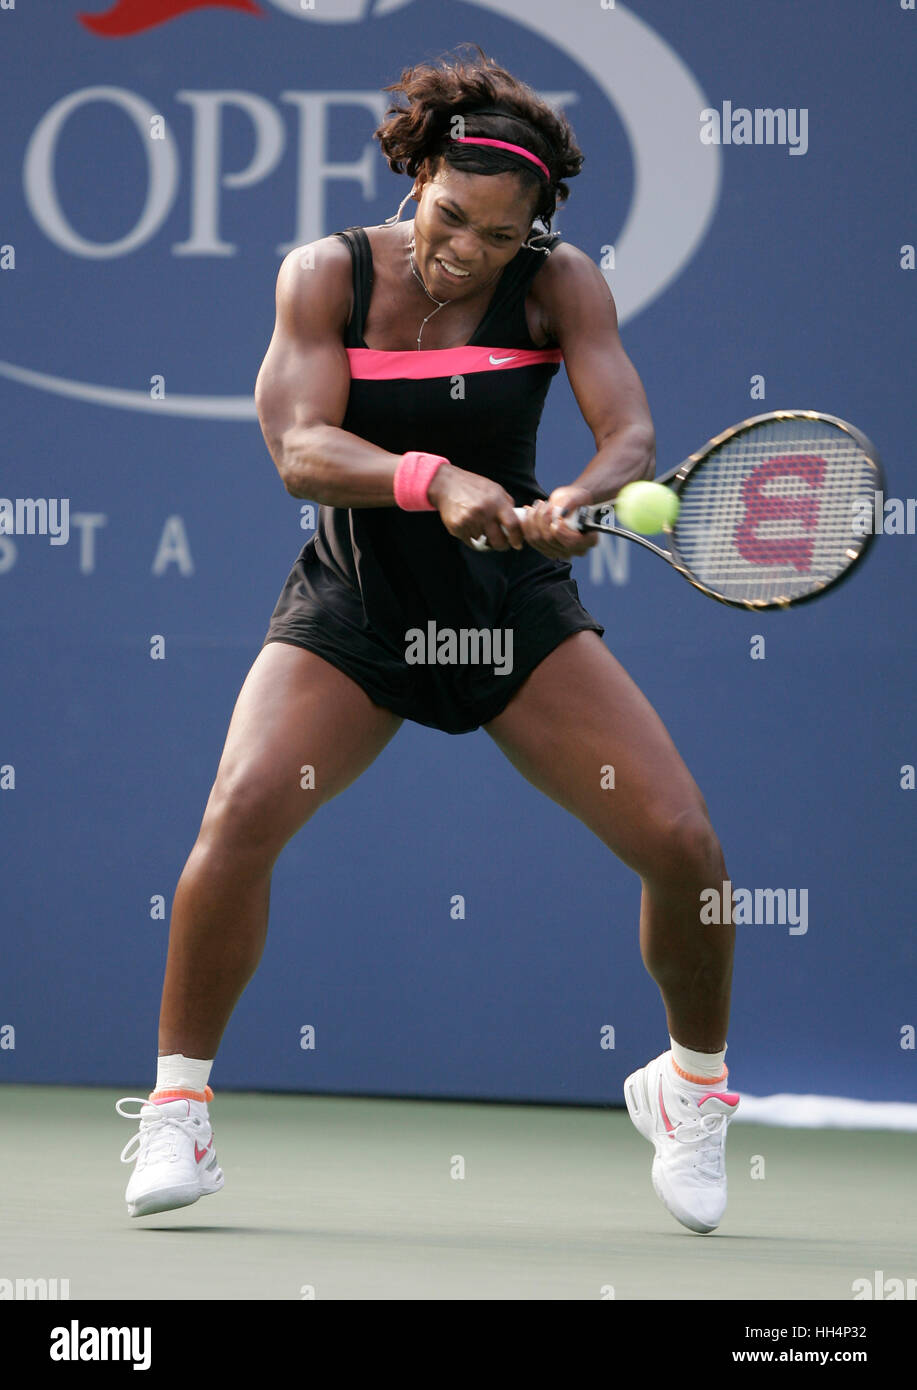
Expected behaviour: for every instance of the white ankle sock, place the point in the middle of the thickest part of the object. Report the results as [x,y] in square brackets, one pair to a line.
[178,1073]
[699,1066]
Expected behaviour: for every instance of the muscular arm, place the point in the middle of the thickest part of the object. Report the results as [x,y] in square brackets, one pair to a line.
[580,314]
[302,388]
[301,397]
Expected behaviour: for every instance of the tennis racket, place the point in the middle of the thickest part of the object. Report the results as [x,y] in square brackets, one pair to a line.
[775,511]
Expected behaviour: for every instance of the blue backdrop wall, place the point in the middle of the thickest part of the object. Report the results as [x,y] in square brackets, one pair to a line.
[152,175]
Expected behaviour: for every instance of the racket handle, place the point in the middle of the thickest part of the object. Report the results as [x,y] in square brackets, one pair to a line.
[481,542]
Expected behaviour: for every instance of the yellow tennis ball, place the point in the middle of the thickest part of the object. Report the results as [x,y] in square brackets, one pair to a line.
[646,507]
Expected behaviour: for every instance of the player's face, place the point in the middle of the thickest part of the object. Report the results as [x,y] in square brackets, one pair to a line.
[474,223]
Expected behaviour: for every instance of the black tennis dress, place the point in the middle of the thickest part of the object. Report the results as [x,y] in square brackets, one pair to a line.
[372,578]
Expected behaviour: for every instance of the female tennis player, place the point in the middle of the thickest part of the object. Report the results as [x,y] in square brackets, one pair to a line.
[402,391]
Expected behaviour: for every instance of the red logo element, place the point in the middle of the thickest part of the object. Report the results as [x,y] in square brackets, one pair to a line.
[133,16]
[770,506]
[200,1153]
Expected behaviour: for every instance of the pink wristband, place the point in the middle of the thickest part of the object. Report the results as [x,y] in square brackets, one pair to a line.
[413,476]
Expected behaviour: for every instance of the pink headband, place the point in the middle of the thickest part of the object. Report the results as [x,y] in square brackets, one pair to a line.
[502,144]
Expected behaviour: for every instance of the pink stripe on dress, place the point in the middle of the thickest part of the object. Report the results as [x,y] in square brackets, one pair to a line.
[372,364]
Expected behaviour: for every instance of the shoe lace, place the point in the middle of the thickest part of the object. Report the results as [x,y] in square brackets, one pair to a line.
[156,1133]
[705,1135]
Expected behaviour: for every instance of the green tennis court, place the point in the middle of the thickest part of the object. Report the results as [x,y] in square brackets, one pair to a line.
[337,1198]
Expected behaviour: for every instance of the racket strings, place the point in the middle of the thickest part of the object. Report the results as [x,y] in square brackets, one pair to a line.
[776,511]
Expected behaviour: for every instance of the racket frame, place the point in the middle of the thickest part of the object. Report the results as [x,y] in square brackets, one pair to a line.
[601,516]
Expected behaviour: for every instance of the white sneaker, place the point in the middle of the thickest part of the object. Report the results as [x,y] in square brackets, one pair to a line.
[686,1124]
[175,1159]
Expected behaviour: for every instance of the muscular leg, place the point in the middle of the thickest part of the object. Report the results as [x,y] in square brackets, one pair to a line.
[578,711]
[293,709]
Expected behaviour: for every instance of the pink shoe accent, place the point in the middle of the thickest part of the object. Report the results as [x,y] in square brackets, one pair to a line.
[730,1097]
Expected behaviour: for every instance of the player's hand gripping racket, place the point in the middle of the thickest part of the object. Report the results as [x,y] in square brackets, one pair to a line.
[775,511]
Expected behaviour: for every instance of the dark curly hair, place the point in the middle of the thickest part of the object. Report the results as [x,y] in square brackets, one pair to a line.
[454,86]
